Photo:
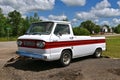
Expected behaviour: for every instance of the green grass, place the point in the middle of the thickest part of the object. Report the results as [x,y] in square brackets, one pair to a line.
[2,39]
[113,47]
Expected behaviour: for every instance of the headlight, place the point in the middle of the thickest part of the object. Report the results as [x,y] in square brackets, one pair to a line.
[40,44]
[19,43]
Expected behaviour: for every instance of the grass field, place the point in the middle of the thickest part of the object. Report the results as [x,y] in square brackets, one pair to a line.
[8,39]
[113,47]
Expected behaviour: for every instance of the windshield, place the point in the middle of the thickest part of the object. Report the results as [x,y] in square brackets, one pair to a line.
[40,28]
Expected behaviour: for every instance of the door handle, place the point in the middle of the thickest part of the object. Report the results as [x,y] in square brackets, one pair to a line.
[71,37]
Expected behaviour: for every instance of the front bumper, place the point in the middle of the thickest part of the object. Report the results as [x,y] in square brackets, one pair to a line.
[32,55]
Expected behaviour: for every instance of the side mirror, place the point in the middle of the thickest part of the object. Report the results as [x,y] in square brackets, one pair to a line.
[58,34]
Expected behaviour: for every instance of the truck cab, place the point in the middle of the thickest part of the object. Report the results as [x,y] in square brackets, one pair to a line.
[54,40]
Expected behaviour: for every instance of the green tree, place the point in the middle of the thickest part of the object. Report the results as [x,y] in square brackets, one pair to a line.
[80,31]
[24,26]
[117,29]
[2,24]
[89,25]
[34,18]
[14,19]
[97,29]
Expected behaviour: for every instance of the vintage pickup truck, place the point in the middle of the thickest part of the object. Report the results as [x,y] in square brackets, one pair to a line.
[54,40]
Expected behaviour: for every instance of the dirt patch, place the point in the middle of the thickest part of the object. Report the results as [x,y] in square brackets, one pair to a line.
[115,71]
[87,69]
[9,74]
[67,75]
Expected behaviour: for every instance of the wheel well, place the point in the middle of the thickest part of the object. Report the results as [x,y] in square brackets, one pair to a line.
[99,48]
[70,51]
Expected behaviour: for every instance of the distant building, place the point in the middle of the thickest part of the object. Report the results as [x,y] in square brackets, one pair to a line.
[104,29]
[111,30]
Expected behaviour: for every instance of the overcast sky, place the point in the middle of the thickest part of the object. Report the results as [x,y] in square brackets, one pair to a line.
[99,11]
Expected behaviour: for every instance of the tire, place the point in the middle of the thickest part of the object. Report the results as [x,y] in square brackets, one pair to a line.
[65,58]
[97,53]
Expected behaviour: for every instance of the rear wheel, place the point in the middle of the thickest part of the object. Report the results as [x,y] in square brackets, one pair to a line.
[98,53]
[65,58]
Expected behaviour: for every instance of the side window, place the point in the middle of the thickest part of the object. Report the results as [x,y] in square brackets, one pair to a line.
[62,29]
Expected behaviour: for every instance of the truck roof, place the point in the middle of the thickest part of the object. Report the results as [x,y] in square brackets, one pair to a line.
[60,22]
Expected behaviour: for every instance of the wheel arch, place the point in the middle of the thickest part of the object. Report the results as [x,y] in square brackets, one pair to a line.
[99,48]
[65,61]
[68,50]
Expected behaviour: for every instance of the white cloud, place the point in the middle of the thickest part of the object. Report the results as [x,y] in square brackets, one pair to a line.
[118,3]
[25,6]
[105,23]
[54,17]
[44,18]
[101,10]
[113,22]
[6,9]
[74,2]
[116,21]
[106,12]
[103,4]
[85,15]
[74,20]
[96,21]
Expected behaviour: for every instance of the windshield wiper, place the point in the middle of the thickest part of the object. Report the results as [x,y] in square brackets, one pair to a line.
[35,33]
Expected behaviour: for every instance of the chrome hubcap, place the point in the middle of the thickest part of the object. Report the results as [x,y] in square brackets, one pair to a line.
[66,58]
[98,54]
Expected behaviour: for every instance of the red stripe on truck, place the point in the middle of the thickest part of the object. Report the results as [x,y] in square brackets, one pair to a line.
[72,43]
[58,44]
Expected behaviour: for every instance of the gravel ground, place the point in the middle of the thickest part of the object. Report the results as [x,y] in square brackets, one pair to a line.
[85,68]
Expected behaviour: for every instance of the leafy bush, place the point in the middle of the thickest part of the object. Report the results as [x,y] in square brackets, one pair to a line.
[117,29]
[80,31]
[97,29]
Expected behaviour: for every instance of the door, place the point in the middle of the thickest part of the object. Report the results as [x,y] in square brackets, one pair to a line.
[62,33]
[60,38]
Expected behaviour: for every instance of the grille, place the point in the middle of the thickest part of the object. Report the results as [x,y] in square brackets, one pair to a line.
[29,43]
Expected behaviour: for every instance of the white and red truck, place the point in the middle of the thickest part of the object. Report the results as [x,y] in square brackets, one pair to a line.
[54,40]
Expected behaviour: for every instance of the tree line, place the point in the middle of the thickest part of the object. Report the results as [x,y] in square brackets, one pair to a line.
[14,25]
[88,27]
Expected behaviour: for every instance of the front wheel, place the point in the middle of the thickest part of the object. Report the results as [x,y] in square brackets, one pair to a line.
[97,53]
[65,58]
